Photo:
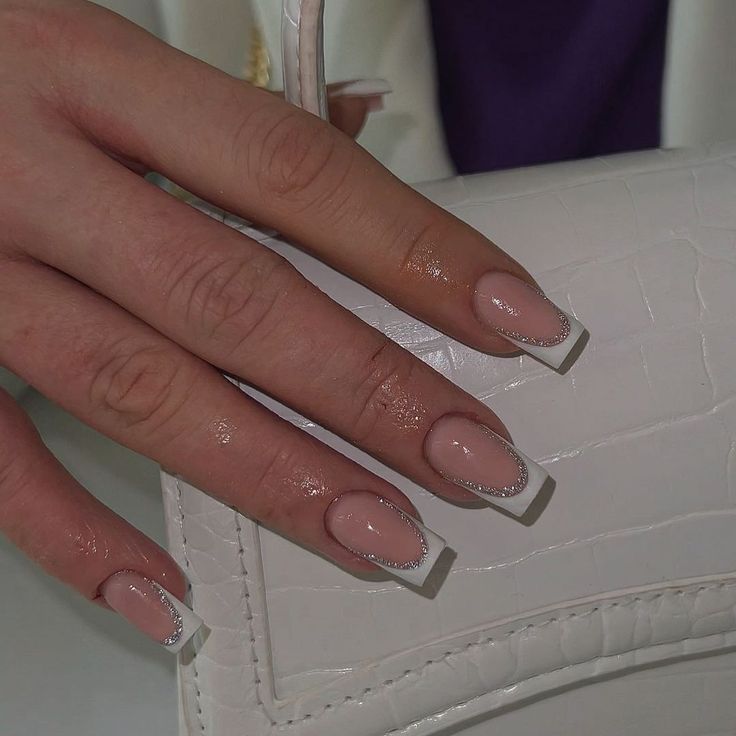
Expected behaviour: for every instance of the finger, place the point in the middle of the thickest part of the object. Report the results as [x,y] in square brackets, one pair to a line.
[349,114]
[49,516]
[241,307]
[261,158]
[125,379]
[350,103]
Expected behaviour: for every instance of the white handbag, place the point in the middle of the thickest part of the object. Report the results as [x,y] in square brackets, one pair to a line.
[631,565]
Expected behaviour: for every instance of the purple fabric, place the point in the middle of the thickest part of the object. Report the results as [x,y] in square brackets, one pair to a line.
[531,81]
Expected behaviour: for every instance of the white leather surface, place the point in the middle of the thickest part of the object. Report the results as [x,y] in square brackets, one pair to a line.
[79,650]
[632,562]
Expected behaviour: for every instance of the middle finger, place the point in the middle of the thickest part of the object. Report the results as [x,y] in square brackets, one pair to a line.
[243,308]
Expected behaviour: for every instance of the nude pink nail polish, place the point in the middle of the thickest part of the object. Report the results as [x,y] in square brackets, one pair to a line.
[377,530]
[150,608]
[473,456]
[525,316]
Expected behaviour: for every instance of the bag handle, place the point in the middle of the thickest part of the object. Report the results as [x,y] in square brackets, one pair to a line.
[302,50]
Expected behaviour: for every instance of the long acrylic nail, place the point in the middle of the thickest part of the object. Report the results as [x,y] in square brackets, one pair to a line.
[473,456]
[526,317]
[151,609]
[377,530]
[361,88]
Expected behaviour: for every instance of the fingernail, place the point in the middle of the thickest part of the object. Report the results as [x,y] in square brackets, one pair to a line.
[474,457]
[151,609]
[361,88]
[377,530]
[526,317]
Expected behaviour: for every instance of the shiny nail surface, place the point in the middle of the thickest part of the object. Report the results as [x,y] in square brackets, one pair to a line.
[377,530]
[474,457]
[151,609]
[526,317]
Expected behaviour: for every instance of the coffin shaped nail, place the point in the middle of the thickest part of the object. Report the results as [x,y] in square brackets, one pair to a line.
[151,609]
[473,456]
[526,317]
[372,527]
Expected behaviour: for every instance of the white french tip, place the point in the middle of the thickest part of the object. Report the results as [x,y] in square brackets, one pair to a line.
[190,624]
[362,88]
[418,575]
[517,505]
[554,355]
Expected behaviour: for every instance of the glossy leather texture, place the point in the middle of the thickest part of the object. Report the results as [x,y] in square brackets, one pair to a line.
[633,561]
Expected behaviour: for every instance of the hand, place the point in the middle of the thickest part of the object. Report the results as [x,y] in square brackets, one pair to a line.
[123,305]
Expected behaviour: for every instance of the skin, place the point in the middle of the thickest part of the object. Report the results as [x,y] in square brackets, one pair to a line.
[123,304]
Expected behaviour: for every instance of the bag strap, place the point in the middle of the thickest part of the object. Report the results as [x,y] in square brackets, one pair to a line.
[302,49]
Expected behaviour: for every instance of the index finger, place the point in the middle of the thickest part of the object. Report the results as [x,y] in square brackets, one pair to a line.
[259,157]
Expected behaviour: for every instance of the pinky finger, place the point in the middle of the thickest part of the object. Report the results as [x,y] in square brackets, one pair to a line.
[75,538]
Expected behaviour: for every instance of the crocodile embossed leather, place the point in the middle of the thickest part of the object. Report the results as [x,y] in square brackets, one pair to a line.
[631,564]
[632,561]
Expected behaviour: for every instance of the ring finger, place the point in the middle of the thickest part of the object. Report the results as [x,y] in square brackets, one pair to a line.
[133,384]
[241,307]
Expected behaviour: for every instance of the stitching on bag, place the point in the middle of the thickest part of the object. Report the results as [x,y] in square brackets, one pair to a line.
[249,619]
[548,672]
[419,670]
[200,719]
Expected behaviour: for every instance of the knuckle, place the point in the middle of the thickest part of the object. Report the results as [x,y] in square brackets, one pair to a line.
[15,479]
[142,385]
[299,160]
[415,247]
[382,391]
[233,302]
[67,554]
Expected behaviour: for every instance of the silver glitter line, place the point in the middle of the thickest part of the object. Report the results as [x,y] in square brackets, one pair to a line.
[505,306]
[539,342]
[561,336]
[174,637]
[412,564]
[498,492]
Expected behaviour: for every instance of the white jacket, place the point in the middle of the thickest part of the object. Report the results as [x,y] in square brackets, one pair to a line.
[391,39]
